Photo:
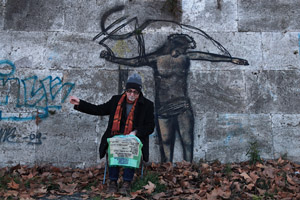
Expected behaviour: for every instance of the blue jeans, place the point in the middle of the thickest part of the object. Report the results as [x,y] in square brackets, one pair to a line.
[128,173]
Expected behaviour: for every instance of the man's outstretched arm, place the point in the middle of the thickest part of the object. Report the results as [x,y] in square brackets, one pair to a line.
[199,55]
[133,62]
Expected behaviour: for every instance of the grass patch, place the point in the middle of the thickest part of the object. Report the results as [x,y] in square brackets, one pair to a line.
[4,180]
[227,170]
[253,153]
[153,178]
[90,184]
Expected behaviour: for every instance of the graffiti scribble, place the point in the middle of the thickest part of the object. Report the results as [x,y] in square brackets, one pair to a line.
[8,135]
[32,92]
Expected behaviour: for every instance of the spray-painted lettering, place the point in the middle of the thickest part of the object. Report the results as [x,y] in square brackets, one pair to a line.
[8,135]
[32,92]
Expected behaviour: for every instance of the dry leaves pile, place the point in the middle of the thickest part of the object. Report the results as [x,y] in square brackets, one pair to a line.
[273,179]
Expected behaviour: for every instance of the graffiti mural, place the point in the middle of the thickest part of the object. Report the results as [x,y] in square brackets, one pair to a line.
[170,64]
[31,92]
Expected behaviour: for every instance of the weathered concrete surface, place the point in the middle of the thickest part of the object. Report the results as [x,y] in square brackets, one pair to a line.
[286,135]
[59,148]
[268,15]
[228,136]
[16,143]
[218,91]
[273,91]
[49,44]
[242,45]
[34,15]
[2,5]
[220,15]
[280,51]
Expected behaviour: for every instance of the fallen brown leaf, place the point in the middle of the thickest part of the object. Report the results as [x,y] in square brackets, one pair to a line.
[25,196]
[237,186]
[150,187]
[254,177]
[250,186]
[246,177]
[218,192]
[290,180]
[202,193]
[13,185]
[11,193]
[269,172]
[178,191]
[168,166]
[259,165]
[184,184]
[52,197]
[38,191]
[159,195]
[205,165]
[76,175]
[84,196]
[287,167]
[29,176]
[261,191]
[69,188]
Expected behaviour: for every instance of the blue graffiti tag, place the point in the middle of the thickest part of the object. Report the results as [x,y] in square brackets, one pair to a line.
[237,132]
[3,62]
[38,94]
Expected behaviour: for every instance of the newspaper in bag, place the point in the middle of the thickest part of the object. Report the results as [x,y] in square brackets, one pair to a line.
[124,150]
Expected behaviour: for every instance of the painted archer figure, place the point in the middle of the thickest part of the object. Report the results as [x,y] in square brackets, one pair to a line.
[170,64]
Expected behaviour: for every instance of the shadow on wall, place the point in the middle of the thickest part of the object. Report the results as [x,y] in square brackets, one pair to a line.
[170,64]
[40,95]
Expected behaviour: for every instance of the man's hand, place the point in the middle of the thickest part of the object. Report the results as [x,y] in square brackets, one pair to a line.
[106,55]
[239,61]
[133,132]
[74,100]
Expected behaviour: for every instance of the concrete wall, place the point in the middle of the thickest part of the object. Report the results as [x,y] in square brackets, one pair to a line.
[47,54]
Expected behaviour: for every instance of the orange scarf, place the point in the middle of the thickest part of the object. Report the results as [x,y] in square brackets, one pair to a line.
[115,130]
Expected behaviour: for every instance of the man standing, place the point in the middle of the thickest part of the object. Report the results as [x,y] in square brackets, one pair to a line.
[129,114]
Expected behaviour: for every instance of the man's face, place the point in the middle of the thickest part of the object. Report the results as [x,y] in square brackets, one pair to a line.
[132,94]
[178,51]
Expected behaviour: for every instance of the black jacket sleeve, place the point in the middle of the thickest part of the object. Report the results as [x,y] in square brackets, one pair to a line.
[88,108]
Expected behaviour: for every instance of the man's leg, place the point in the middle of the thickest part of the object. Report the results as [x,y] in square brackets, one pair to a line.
[128,174]
[113,178]
[113,173]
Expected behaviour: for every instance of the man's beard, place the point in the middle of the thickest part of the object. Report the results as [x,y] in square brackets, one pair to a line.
[130,98]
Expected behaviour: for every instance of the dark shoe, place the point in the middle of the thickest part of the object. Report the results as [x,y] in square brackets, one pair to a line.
[125,189]
[112,187]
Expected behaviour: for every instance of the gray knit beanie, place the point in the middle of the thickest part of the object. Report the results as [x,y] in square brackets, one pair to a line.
[134,82]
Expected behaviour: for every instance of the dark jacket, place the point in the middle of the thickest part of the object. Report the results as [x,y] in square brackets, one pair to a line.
[143,120]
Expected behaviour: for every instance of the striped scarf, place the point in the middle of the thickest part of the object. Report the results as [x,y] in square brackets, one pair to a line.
[117,118]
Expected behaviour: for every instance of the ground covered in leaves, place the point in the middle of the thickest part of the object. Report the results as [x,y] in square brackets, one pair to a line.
[272,179]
